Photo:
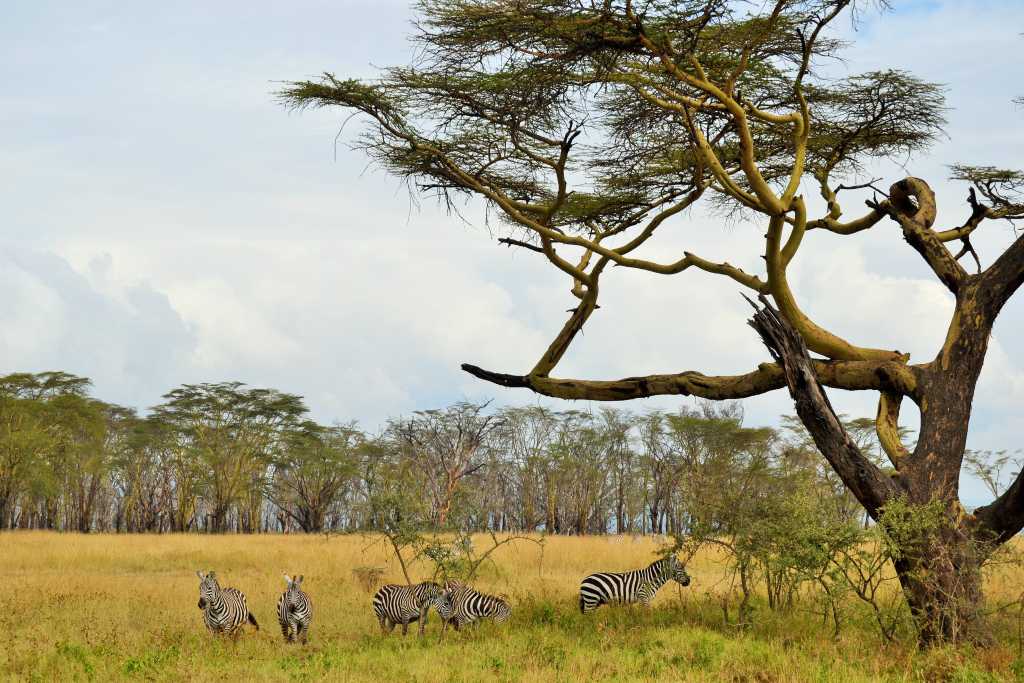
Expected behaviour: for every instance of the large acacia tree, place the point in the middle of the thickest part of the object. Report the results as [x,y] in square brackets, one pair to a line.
[590,125]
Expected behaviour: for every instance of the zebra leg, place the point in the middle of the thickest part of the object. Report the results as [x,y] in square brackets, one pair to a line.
[303,633]
[423,619]
[405,626]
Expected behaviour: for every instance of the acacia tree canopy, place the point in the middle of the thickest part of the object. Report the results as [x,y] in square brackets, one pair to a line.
[587,125]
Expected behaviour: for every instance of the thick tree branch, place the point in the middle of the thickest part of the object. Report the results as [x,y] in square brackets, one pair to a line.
[575,323]
[851,375]
[871,487]
[818,339]
[888,429]
[857,225]
[1003,518]
[1003,278]
[911,203]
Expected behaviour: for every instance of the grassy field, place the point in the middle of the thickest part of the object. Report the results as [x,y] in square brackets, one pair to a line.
[124,607]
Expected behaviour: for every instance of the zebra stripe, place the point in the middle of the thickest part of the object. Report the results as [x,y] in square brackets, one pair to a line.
[639,585]
[461,605]
[394,604]
[294,611]
[224,609]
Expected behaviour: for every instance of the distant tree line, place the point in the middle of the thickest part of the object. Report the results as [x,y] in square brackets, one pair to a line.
[224,457]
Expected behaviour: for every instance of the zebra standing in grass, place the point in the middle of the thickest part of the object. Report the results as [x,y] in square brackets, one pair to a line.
[460,605]
[630,587]
[224,609]
[294,611]
[394,604]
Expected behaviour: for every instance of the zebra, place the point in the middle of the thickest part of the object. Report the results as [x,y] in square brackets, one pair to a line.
[294,611]
[224,609]
[629,587]
[460,605]
[395,604]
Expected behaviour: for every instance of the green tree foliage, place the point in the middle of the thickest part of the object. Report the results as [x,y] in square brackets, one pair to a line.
[312,470]
[233,433]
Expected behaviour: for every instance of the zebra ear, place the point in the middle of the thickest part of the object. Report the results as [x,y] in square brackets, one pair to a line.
[211,575]
[202,577]
[298,581]
[287,579]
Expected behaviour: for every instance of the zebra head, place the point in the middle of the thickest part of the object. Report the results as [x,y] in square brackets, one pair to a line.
[208,588]
[443,604]
[678,572]
[294,588]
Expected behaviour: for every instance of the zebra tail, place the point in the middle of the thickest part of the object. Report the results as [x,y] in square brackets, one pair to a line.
[252,620]
[582,607]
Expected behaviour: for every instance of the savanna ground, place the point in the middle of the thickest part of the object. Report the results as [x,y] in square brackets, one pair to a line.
[124,607]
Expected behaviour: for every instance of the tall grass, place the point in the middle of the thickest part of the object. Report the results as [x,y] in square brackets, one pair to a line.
[101,607]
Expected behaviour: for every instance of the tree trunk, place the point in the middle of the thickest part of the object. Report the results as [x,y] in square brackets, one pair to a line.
[941,581]
[940,570]
[937,547]
[219,519]
[314,520]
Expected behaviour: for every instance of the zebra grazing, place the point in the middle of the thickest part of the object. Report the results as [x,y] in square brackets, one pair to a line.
[394,604]
[629,587]
[224,609]
[460,605]
[294,611]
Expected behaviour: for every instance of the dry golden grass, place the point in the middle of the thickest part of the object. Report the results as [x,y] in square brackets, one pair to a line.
[118,607]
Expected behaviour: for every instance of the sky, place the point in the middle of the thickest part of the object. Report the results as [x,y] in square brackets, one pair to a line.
[163,220]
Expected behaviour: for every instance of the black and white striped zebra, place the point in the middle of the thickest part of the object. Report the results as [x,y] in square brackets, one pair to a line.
[224,609]
[631,587]
[461,605]
[294,611]
[394,604]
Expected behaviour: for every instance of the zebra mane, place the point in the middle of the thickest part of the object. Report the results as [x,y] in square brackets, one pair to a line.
[660,566]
